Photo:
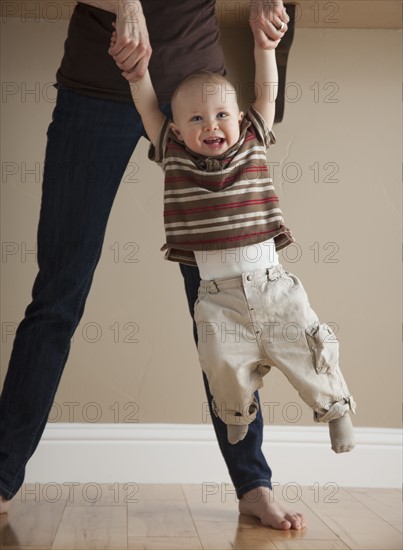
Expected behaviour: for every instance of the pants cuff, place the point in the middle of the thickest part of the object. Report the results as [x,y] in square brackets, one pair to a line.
[8,495]
[237,417]
[336,410]
[243,489]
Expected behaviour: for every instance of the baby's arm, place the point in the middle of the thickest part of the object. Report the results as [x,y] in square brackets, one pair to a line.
[266,83]
[147,105]
[145,99]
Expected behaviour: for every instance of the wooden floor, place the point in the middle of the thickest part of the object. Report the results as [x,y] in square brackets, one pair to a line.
[190,517]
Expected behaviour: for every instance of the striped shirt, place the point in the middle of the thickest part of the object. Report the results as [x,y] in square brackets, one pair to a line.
[219,202]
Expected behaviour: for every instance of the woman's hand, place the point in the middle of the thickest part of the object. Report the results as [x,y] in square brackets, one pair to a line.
[268,20]
[130,45]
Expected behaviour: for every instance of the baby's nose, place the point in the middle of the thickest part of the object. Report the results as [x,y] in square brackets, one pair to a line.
[211,125]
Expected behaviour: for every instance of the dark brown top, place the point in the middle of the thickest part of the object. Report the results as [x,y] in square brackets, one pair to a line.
[184,36]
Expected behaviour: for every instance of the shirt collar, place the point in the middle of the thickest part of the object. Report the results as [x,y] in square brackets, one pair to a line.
[203,161]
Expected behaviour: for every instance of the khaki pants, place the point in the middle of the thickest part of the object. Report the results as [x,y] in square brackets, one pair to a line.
[259,320]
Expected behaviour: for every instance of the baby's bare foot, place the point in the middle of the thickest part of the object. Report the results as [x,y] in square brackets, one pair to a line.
[261,504]
[4,505]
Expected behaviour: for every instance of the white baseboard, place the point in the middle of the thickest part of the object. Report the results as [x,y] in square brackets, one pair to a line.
[184,453]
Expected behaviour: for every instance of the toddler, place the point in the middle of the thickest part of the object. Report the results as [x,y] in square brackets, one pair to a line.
[222,214]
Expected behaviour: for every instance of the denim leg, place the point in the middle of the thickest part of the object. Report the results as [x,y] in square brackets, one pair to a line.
[90,142]
[245,461]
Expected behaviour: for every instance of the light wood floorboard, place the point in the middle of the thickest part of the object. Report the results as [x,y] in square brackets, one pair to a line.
[354,523]
[386,503]
[195,517]
[92,527]
[32,521]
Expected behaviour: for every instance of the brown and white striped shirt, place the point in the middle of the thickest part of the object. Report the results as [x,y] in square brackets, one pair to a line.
[219,202]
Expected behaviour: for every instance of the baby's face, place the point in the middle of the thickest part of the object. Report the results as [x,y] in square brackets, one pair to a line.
[207,118]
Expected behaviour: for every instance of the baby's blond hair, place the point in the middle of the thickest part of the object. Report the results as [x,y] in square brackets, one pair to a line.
[205,78]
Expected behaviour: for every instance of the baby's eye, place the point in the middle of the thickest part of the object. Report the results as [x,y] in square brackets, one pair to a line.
[196,118]
[223,114]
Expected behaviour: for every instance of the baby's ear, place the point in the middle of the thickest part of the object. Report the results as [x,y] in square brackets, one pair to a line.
[176,130]
[240,116]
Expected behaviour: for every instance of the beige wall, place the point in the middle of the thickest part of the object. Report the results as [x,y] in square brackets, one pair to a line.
[341,119]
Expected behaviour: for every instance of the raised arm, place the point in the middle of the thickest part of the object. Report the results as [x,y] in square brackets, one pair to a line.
[268,21]
[266,83]
[144,98]
[147,105]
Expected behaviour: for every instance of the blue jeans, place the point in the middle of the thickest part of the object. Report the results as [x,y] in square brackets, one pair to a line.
[90,142]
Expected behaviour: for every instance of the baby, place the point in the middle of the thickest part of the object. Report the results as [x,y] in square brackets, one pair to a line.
[221,213]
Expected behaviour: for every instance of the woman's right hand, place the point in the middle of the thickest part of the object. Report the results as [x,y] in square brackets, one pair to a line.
[130,45]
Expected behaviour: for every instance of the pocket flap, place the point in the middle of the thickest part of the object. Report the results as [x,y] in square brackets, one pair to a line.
[324,345]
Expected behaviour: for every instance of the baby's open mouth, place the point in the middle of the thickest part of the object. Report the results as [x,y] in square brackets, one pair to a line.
[214,141]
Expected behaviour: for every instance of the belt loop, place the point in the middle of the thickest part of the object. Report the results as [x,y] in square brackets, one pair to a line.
[213,288]
[274,273]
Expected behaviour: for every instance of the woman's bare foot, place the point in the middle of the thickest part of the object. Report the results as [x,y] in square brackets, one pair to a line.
[4,505]
[261,504]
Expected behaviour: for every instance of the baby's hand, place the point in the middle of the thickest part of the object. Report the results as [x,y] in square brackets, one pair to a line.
[268,20]
[113,39]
